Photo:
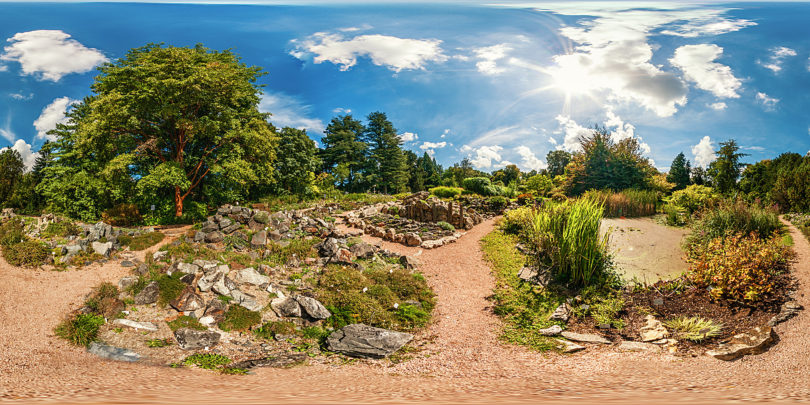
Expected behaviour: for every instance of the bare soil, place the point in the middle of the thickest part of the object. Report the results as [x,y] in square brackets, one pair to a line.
[466,362]
[645,250]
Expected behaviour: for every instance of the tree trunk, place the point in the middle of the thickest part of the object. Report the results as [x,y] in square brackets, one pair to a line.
[178,203]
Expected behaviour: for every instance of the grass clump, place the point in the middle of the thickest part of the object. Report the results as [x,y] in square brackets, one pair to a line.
[104,300]
[185,321]
[736,217]
[208,361]
[60,229]
[28,253]
[141,242]
[158,343]
[695,329]
[170,287]
[80,330]
[603,305]
[301,248]
[626,203]
[239,318]
[270,329]
[446,226]
[12,232]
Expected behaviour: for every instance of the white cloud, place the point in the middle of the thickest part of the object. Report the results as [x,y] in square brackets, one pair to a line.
[529,160]
[430,147]
[698,66]
[552,141]
[768,102]
[623,130]
[777,58]
[51,54]
[703,152]
[340,110]
[446,131]
[6,131]
[573,132]
[486,157]
[21,96]
[488,58]
[718,106]
[363,27]
[394,53]
[287,111]
[52,114]
[408,137]
[29,157]
[3,67]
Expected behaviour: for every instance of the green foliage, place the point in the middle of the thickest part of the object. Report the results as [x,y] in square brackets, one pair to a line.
[557,161]
[507,175]
[239,318]
[693,328]
[12,232]
[738,268]
[208,361]
[446,192]
[11,173]
[185,321]
[674,216]
[141,242]
[386,168]
[270,329]
[344,152]
[170,287]
[626,203]
[679,172]
[497,203]
[297,162]
[301,248]
[539,185]
[725,170]
[734,218]
[482,186]
[694,198]
[381,296]
[156,343]
[80,330]
[603,306]
[446,226]
[28,253]
[60,229]
[124,214]
[517,221]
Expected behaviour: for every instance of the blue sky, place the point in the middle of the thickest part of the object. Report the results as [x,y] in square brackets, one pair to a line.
[499,83]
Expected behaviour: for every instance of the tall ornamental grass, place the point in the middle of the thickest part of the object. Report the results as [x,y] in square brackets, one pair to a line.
[736,217]
[626,203]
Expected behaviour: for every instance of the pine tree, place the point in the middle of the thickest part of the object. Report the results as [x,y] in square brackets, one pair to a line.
[726,169]
[679,172]
[387,165]
[344,151]
[416,173]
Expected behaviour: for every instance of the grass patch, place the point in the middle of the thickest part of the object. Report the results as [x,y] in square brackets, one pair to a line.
[170,287]
[158,342]
[239,318]
[695,329]
[185,321]
[141,242]
[80,330]
[270,329]
[208,361]
[28,253]
[301,248]
[60,229]
[734,218]
[12,232]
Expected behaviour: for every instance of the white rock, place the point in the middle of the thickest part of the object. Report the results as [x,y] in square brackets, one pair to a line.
[251,276]
[136,325]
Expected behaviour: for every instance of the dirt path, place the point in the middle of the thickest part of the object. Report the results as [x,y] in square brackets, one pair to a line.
[466,363]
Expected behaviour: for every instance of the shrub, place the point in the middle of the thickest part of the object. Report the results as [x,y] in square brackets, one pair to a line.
[516,221]
[239,318]
[675,216]
[734,218]
[742,269]
[482,186]
[141,242]
[626,203]
[694,198]
[122,215]
[60,229]
[104,300]
[185,321]
[208,361]
[170,287]
[497,203]
[695,329]
[525,199]
[539,184]
[446,192]
[12,232]
[29,253]
[81,329]
[270,329]
[446,226]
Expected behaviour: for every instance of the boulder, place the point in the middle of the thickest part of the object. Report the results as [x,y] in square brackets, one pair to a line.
[562,313]
[653,330]
[188,300]
[412,239]
[103,249]
[230,229]
[409,262]
[755,341]
[215,310]
[630,346]
[251,276]
[261,217]
[112,352]
[259,239]
[191,339]
[127,263]
[189,268]
[328,248]
[223,285]
[246,300]
[126,282]
[585,337]
[148,326]
[313,307]
[199,236]
[160,255]
[788,310]
[214,237]
[343,256]
[73,249]
[287,307]
[363,250]
[363,341]
[148,295]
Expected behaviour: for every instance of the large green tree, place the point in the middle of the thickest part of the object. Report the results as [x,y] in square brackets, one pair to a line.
[725,170]
[11,172]
[557,160]
[387,166]
[507,175]
[344,153]
[297,161]
[679,172]
[167,123]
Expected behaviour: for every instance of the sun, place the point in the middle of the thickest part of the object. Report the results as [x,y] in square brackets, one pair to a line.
[571,77]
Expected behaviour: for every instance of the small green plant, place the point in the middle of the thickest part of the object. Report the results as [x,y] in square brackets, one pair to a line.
[80,330]
[141,242]
[233,371]
[185,321]
[270,329]
[695,329]
[446,226]
[208,361]
[170,287]
[239,318]
[28,253]
[224,298]
[158,342]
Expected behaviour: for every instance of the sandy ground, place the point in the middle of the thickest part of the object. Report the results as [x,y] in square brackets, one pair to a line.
[645,250]
[467,363]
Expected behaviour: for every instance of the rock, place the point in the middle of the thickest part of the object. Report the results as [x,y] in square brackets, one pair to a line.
[553,330]
[287,307]
[585,337]
[259,239]
[188,300]
[246,300]
[199,236]
[409,262]
[187,279]
[261,217]
[534,276]
[223,285]
[630,346]
[313,307]
[160,255]
[569,347]
[214,237]
[191,339]
[112,352]
[216,309]
[358,340]
[343,256]
[328,248]
[126,282]
[230,229]
[136,325]
[754,341]
[224,223]
[653,330]
[73,249]
[127,263]
[363,250]
[285,360]
[189,268]
[412,239]
[562,313]
[103,249]
[251,276]
[148,295]
[789,310]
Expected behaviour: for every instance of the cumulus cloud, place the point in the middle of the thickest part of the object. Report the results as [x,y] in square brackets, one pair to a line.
[430,147]
[340,110]
[488,58]
[50,54]
[703,152]
[287,111]
[408,137]
[52,114]
[446,131]
[777,58]
[718,106]
[392,52]
[768,102]
[486,157]
[623,130]
[698,66]
[529,160]
[29,157]
[572,132]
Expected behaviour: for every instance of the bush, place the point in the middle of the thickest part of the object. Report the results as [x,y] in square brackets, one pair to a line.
[141,242]
[695,329]
[80,330]
[675,216]
[497,203]
[170,287]
[734,218]
[184,321]
[694,198]
[446,192]
[739,268]
[525,199]
[29,253]
[239,318]
[539,184]
[626,203]
[208,361]
[60,229]
[122,215]
[446,226]
[516,221]
[482,186]
[12,232]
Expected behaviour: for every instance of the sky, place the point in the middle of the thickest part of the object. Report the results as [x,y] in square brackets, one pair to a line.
[497,82]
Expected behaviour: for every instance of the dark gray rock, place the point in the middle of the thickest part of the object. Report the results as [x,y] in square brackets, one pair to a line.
[365,341]
[148,295]
[363,250]
[199,236]
[230,229]
[328,248]
[287,307]
[409,262]
[127,263]
[188,300]
[788,310]
[214,237]
[284,360]
[191,339]
[313,307]
[113,353]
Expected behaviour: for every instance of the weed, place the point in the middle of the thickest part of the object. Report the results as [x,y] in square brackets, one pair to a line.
[239,318]
[626,203]
[80,330]
[158,342]
[208,361]
[270,329]
[184,321]
[695,329]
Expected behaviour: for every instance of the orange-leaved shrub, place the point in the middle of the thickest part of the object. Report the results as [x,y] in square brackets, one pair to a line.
[740,268]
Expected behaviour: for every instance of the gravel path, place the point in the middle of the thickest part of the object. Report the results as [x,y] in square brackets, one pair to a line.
[466,361]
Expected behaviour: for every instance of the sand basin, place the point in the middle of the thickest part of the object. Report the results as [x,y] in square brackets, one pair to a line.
[645,250]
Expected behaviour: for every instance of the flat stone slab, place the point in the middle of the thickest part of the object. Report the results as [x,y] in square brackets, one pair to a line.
[136,325]
[358,340]
[287,360]
[630,346]
[755,341]
[570,347]
[113,353]
[553,330]
[585,338]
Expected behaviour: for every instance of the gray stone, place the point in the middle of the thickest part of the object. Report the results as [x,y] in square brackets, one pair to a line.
[112,352]
[328,248]
[103,249]
[251,276]
[274,235]
[73,249]
[190,339]
[562,313]
[148,295]
[283,360]
[259,239]
[246,300]
[188,300]
[409,262]
[553,330]
[214,237]
[148,326]
[788,310]
[159,255]
[363,250]
[585,337]
[358,340]
[630,346]
[199,236]
[569,347]
[230,229]
[287,307]
[755,341]
[313,307]
[127,263]
[412,239]
[188,268]
[224,223]
[126,282]
[224,285]
[261,217]
[653,330]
